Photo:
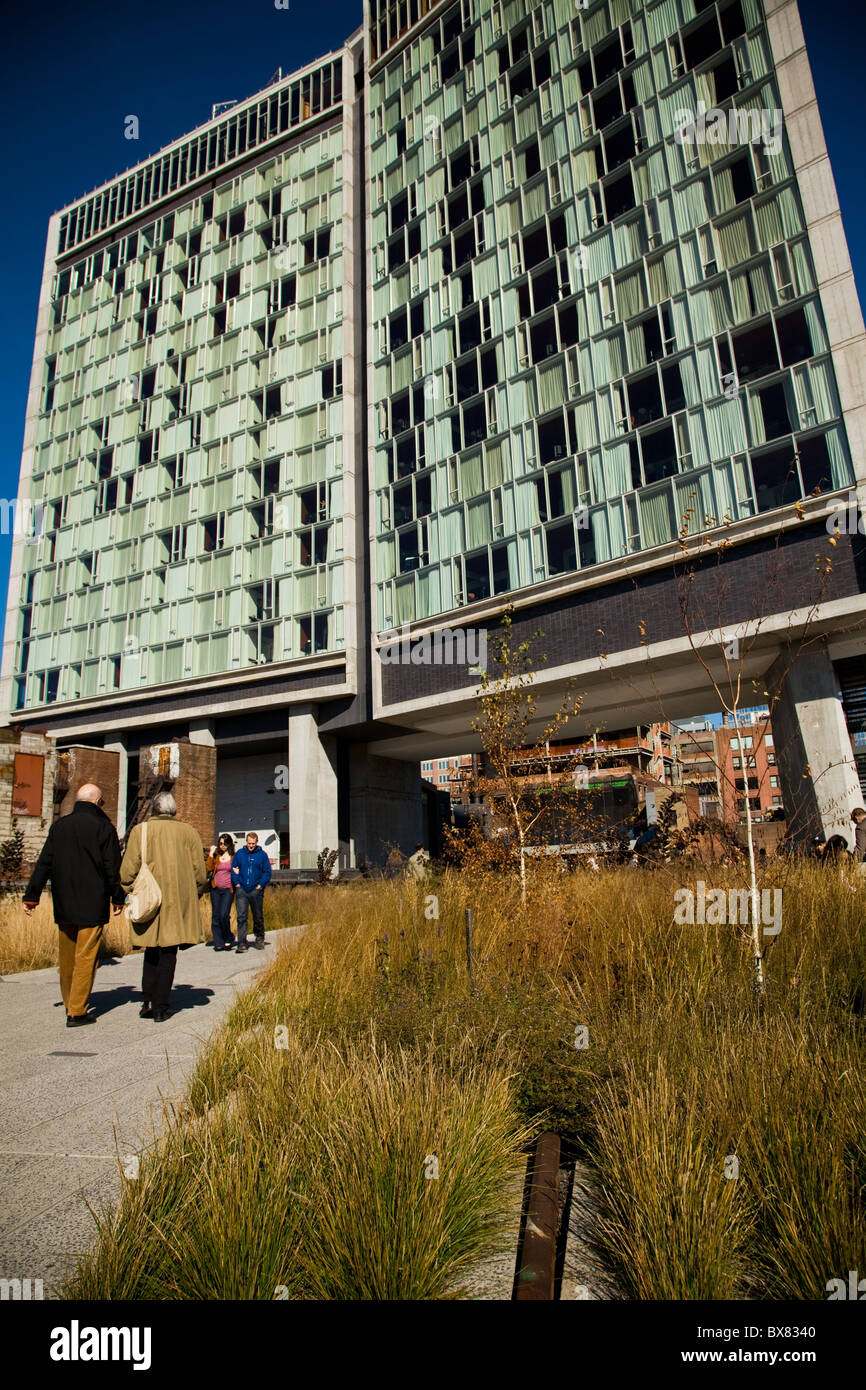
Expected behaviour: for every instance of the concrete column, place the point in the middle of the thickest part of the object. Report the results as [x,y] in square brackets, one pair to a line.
[385,805]
[118,746]
[202,731]
[816,765]
[313,816]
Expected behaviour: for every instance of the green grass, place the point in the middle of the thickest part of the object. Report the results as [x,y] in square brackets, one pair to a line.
[303,1164]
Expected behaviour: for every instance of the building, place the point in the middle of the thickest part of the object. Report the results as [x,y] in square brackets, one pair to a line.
[851,675]
[699,758]
[189,595]
[463,313]
[27,790]
[453,775]
[747,754]
[753,715]
[650,751]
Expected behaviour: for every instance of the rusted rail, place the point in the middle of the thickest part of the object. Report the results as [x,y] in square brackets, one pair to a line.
[535,1279]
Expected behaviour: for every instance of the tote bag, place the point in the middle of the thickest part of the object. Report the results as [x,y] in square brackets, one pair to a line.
[145,899]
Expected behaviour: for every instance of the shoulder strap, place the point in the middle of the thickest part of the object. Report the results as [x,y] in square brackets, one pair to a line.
[144,841]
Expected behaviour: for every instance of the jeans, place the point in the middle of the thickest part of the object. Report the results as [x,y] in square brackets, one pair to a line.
[253,899]
[221,906]
[157,974]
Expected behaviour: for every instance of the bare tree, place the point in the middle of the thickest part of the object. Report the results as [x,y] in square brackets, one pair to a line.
[724,651]
[516,736]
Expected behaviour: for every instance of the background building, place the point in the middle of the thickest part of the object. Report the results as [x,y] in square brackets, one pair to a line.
[698,752]
[747,757]
[453,775]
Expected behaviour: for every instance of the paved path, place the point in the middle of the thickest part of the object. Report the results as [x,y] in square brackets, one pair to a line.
[72,1098]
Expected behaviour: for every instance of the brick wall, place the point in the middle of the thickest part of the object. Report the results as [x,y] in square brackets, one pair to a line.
[749,580]
[78,765]
[188,771]
[33,828]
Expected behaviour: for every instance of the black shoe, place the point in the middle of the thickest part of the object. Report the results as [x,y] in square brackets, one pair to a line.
[241,948]
[161,1015]
[78,1020]
[146,1010]
[259,943]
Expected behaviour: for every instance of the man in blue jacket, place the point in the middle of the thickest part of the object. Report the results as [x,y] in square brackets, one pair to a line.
[251,874]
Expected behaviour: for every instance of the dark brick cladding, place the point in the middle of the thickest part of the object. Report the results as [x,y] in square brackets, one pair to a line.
[195,705]
[747,582]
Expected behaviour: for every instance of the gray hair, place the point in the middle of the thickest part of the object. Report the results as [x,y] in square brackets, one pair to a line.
[163,804]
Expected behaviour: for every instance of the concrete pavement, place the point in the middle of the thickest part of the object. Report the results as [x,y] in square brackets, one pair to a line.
[72,1099]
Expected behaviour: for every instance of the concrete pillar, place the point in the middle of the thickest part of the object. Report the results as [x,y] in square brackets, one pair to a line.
[385,805]
[313,813]
[816,765]
[202,731]
[118,745]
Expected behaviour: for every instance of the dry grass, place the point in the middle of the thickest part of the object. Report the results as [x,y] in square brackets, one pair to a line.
[30,943]
[388,1054]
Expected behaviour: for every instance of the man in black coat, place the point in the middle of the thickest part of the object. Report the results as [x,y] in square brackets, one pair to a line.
[81,857]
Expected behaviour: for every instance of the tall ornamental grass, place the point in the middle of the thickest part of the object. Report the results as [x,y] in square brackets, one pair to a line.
[726,1128]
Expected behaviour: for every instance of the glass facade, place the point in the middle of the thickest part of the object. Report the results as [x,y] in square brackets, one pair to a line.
[189,449]
[590,336]
[587,337]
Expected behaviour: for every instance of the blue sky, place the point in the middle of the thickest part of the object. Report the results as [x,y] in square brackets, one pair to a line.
[73,73]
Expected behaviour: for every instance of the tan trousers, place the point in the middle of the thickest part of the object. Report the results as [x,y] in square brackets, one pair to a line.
[79,952]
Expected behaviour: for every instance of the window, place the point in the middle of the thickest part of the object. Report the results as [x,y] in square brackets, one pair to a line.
[173,544]
[213,532]
[332,381]
[317,247]
[106,498]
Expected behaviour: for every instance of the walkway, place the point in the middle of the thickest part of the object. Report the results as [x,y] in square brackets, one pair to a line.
[71,1099]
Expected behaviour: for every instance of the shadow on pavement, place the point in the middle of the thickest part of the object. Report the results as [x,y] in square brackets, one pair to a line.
[104,1001]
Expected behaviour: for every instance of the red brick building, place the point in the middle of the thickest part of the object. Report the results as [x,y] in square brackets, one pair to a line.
[748,754]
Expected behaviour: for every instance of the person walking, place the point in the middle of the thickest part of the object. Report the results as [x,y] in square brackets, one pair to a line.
[219,870]
[251,874]
[418,865]
[835,851]
[175,858]
[395,863]
[858,816]
[81,858]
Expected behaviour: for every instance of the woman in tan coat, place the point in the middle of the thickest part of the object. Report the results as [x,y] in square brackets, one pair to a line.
[176,860]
